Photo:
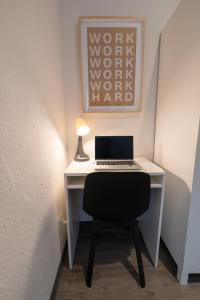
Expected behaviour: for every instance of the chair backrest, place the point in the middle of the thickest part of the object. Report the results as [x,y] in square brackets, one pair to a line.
[116,196]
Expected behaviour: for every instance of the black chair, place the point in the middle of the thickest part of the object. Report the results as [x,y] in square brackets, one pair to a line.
[116,199]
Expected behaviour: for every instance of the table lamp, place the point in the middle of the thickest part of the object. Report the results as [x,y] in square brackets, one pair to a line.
[81,130]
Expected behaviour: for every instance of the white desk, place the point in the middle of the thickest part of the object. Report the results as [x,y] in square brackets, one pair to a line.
[150,222]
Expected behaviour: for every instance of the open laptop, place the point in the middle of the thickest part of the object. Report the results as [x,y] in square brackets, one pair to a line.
[114,152]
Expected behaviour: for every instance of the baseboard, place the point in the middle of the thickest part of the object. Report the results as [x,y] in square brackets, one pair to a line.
[55,285]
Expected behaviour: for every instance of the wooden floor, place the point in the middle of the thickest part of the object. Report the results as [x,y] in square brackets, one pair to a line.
[115,273]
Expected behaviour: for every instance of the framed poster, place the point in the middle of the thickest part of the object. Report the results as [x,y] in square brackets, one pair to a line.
[112,58]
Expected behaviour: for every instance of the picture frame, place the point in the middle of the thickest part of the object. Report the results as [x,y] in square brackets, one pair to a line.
[112,63]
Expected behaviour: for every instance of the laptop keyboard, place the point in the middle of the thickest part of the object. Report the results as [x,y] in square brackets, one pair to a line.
[115,162]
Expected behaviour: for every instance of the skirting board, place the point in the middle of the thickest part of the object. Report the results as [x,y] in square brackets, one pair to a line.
[55,285]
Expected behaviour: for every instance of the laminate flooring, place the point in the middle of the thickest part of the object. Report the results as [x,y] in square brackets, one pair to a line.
[115,273]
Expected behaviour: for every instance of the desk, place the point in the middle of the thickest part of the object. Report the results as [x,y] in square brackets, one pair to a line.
[149,222]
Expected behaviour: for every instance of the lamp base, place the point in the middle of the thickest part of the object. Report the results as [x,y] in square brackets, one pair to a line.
[81,157]
[80,154]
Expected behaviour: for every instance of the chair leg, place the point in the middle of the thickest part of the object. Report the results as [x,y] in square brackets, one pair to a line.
[91,257]
[139,254]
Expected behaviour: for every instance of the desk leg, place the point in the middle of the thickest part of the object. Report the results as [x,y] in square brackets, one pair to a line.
[73,218]
[182,276]
[150,224]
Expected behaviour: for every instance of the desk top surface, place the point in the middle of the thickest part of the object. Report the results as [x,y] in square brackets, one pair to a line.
[83,168]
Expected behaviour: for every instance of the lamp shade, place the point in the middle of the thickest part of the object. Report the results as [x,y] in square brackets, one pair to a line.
[81,127]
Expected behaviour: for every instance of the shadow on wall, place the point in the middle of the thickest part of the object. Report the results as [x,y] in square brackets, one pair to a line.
[42,272]
[175,215]
[150,106]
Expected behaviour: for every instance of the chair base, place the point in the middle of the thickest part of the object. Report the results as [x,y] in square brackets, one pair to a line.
[133,227]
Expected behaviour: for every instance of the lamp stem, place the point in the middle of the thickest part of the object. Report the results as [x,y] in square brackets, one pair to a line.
[80,154]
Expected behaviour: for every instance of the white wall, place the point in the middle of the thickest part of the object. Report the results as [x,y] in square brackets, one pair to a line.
[32,153]
[192,249]
[177,121]
[156,13]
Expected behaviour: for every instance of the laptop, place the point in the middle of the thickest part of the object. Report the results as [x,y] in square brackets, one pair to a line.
[114,153]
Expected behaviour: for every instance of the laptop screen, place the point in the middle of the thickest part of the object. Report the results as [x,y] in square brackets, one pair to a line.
[113,147]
